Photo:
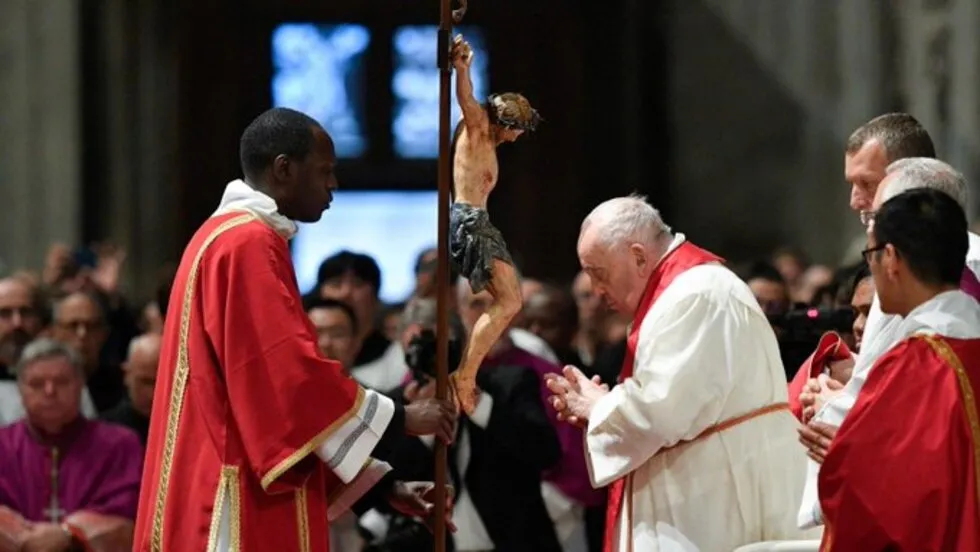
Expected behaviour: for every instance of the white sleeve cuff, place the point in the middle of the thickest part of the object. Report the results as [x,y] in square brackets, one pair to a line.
[347,450]
[481,415]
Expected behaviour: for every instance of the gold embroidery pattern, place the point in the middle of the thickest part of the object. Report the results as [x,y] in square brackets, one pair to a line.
[302,520]
[235,504]
[180,383]
[313,444]
[227,490]
[947,353]
[219,500]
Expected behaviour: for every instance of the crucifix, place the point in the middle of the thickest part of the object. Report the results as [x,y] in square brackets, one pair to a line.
[447,17]
[54,511]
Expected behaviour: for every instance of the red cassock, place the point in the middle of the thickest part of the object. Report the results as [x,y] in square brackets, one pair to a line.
[902,471]
[243,399]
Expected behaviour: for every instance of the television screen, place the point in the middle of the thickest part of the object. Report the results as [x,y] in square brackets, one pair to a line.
[391,226]
[320,70]
[415,85]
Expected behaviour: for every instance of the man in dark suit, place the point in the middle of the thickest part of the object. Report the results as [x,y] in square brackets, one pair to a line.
[498,456]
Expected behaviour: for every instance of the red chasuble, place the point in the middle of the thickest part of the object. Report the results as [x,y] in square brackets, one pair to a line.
[684,257]
[243,398]
[830,348]
[902,472]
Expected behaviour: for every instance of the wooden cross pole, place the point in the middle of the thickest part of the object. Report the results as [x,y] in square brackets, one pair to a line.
[446,19]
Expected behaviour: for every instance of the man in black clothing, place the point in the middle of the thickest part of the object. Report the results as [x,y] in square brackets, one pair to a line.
[80,322]
[497,459]
[140,371]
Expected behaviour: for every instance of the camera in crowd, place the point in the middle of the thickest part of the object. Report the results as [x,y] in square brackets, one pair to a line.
[421,354]
[799,331]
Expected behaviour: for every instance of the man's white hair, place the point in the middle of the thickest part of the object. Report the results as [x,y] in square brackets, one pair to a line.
[44,348]
[623,220]
[924,172]
[147,340]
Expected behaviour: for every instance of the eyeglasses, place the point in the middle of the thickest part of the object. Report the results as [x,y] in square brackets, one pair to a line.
[867,252]
[867,217]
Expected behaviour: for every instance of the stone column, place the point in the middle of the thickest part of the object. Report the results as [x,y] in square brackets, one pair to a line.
[861,57]
[40,175]
[963,147]
[136,129]
[925,65]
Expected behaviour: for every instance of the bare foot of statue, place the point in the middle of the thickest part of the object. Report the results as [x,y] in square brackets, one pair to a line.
[476,247]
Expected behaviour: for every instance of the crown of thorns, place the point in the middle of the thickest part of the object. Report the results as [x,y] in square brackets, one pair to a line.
[527,121]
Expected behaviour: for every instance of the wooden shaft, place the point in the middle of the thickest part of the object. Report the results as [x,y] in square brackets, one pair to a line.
[442,271]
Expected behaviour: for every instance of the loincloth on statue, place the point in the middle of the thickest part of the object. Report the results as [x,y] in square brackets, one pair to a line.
[473,245]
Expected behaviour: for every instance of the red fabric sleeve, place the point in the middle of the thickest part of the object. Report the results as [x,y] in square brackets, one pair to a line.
[831,347]
[285,398]
[890,479]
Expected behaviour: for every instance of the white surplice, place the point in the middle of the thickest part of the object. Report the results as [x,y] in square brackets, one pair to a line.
[881,333]
[706,354]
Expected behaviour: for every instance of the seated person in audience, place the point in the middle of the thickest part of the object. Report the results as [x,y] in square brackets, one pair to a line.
[498,458]
[599,326]
[80,321]
[336,326]
[71,482]
[551,314]
[22,319]
[140,372]
[355,279]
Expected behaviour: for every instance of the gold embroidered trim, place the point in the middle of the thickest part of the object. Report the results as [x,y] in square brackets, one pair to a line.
[230,473]
[302,520]
[180,383]
[947,353]
[227,490]
[219,500]
[304,451]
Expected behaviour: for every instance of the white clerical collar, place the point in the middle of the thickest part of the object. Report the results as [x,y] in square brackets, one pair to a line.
[674,244]
[239,196]
[951,314]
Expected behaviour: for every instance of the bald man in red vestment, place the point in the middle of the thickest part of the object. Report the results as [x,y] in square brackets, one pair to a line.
[901,473]
[256,441]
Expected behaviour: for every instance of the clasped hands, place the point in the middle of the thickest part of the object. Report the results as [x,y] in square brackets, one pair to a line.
[817,436]
[21,535]
[574,395]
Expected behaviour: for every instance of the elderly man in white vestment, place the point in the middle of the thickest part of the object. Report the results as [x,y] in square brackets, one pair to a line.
[697,441]
[881,331]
